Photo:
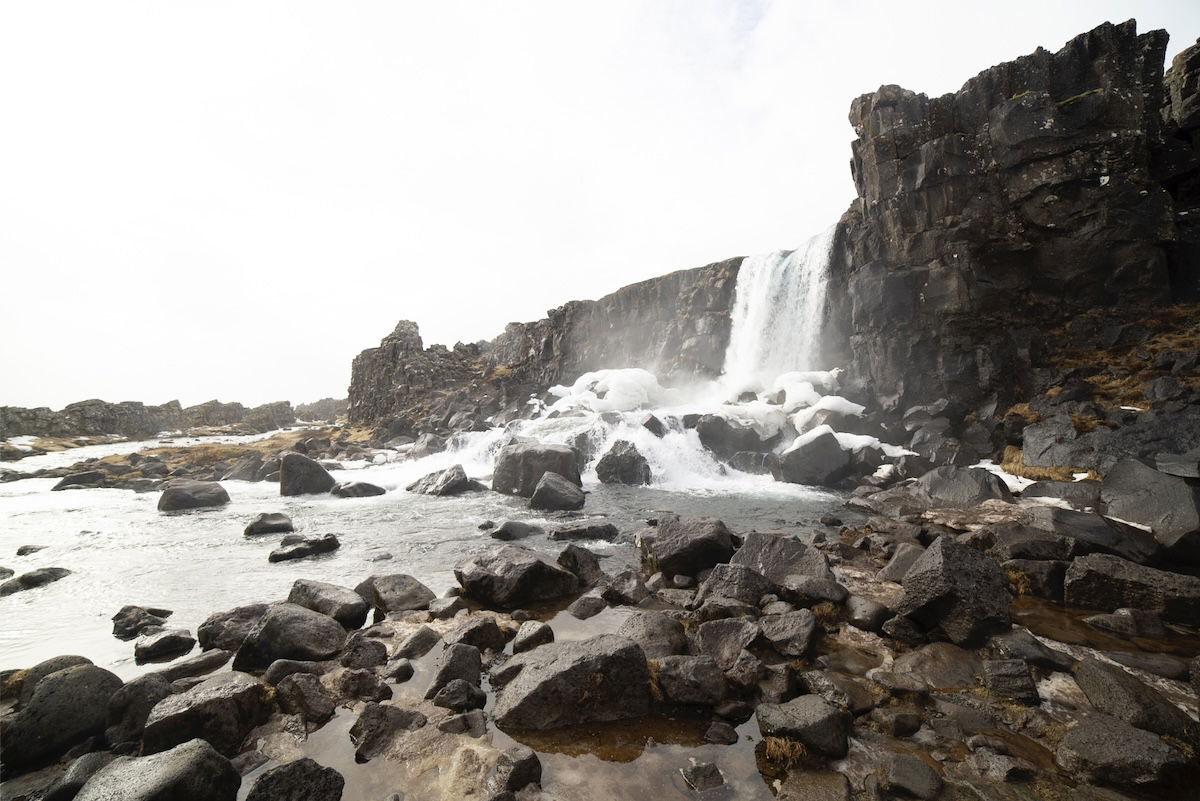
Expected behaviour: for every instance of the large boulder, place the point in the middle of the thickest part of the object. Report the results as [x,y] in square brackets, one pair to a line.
[299,475]
[227,630]
[520,465]
[623,464]
[812,720]
[815,458]
[657,635]
[958,590]
[395,592]
[299,780]
[340,603]
[304,547]
[510,576]
[724,640]
[30,677]
[66,708]
[557,494]
[269,523]
[738,582]
[378,725]
[356,489]
[725,437]
[221,710]
[451,481]
[1106,750]
[790,633]
[289,631]
[778,556]
[1092,532]
[690,680]
[33,579]
[130,620]
[962,488]
[1169,505]
[1107,583]
[192,771]
[183,493]
[129,707]
[687,545]
[458,662]
[601,679]
[1114,691]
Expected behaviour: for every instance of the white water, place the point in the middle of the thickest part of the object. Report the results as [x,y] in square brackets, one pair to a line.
[777,314]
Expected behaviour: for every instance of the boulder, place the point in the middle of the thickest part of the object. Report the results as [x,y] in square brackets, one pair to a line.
[192,771]
[68,785]
[129,621]
[532,634]
[299,780]
[269,523]
[245,469]
[623,464]
[460,695]
[625,589]
[516,768]
[808,590]
[690,679]
[358,684]
[906,554]
[1092,532]
[299,475]
[656,634]
[557,494]
[458,661]
[812,720]
[65,708]
[87,478]
[514,530]
[221,710]
[1010,678]
[905,775]
[513,576]
[520,465]
[581,562]
[957,589]
[777,556]
[815,458]
[362,652]
[1114,691]
[33,579]
[724,640]
[304,547]
[395,592]
[606,532]
[737,582]
[288,631]
[417,644]
[480,631]
[1169,505]
[280,669]
[941,666]
[446,608]
[187,494]
[1105,582]
[962,488]
[227,630]
[1106,750]
[451,481]
[601,679]
[790,633]
[198,665]
[340,603]
[129,707]
[687,545]
[163,645]
[356,489]
[726,437]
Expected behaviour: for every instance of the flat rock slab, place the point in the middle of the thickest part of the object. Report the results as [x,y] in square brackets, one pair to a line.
[1107,583]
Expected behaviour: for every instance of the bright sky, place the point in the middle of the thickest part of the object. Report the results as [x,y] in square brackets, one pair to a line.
[231,199]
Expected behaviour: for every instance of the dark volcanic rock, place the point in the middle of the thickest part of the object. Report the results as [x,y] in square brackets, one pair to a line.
[299,475]
[690,680]
[378,725]
[656,634]
[810,719]
[724,640]
[687,545]
[479,631]
[1167,504]
[129,707]
[958,590]
[356,489]
[187,494]
[451,481]
[520,466]
[33,579]
[585,531]
[1105,750]
[269,523]
[512,576]
[516,768]
[288,631]
[790,633]
[359,684]
[458,661]
[601,679]
[303,694]
[532,634]
[299,780]
[962,488]
[726,437]
[340,603]
[221,711]
[67,786]
[1114,691]
[555,493]
[734,581]
[396,592]
[227,630]
[166,644]
[1101,581]
[192,771]
[304,547]
[129,621]
[1093,532]
[815,458]
[778,556]
[623,464]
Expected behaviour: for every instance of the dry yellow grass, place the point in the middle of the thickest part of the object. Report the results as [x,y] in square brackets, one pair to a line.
[1013,463]
[783,752]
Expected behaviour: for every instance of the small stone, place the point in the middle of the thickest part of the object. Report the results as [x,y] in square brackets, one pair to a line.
[702,776]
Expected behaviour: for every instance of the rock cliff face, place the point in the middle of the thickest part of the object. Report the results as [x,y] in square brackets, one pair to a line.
[1045,187]
[134,419]
[676,325]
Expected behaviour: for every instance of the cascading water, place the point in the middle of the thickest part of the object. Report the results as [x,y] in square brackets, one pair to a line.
[777,315]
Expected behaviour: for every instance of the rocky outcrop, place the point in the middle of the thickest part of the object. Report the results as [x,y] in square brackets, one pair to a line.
[134,419]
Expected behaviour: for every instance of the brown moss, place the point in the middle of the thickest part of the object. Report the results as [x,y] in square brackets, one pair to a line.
[1019,581]
[655,687]
[826,614]
[784,752]
[1013,462]
[1023,411]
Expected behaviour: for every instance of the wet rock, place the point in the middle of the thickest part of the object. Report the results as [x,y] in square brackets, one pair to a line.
[905,557]
[191,771]
[958,590]
[221,711]
[65,708]
[896,722]
[512,576]
[815,458]
[656,634]
[586,607]
[1080,494]
[299,475]
[68,785]
[962,488]
[198,665]
[623,464]
[459,696]
[687,545]
[1169,505]
[940,665]
[457,661]
[481,632]
[734,581]
[903,630]
[288,631]
[417,644]
[303,694]
[720,733]
[398,670]
[909,776]
[451,481]
[163,645]
[473,723]
[304,547]
[300,780]
[1010,678]
[27,680]
[396,592]
[606,532]
[361,652]
[810,719]
[726,437]
[532,634]
[1020,644]
[1129,623]
[555,493]
[340,603]
[187,494]
[130,620]
[724,640]
[791,633]
[516,768]
[86,478]
[519,466]
[1114,691]
[446,608]
[808,590]
[866,614]
[584,564]
[625,589]
[701,776]
[362,685]
[1101,581]
[378,725]
[269,523]
[228,630]
[1106,750]
[33,579]
[604,678]
[245,469]
[690,679]
[514,530]
[356,489]
[1041,579]
[814,785]
[1165,665]
[1092,532]
[130,705]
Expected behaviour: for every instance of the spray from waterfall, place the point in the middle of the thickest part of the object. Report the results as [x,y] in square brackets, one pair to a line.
[777,315]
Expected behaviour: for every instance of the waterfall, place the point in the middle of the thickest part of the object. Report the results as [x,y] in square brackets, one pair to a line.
[778,311]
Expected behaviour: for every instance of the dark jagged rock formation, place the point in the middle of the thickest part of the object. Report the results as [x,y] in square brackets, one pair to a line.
[325,410]
[676,325]
[134,419]
[1043,188]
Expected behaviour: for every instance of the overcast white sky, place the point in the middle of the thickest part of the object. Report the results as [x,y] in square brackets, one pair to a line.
[231,199]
